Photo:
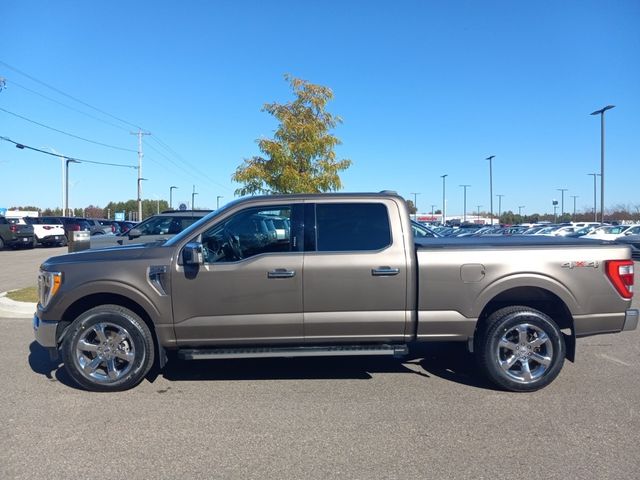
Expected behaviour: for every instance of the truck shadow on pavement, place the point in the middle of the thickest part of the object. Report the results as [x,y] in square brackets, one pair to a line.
[449,361]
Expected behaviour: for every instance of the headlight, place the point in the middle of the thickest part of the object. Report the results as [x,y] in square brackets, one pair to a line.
[48,285]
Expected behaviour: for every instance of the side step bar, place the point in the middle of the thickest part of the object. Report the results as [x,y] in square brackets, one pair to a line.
[286,352]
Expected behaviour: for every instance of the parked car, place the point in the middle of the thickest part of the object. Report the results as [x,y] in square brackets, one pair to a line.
[421,231]
[609,232]
[16,235]
[156,228]
[49,232]
[100,226]
[632,241]
[71,224]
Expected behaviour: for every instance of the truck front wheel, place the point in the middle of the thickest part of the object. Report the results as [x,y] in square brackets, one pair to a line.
[520,349]
[108,348]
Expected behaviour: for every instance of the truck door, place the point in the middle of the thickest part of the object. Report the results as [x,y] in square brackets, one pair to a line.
[249,291]
[355,273]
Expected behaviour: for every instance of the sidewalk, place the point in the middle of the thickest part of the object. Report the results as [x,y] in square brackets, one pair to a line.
[12,309]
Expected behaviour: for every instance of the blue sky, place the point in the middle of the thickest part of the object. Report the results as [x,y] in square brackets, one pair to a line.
[425,88]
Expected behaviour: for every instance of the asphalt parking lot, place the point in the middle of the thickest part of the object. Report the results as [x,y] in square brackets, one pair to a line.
[429,417]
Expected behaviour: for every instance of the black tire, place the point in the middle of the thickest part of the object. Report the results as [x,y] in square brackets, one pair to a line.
[108,348]
[520,349]
[63,242]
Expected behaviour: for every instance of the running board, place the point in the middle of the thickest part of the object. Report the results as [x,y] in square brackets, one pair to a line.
[286,352]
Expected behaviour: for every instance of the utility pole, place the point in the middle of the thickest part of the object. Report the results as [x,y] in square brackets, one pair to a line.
[218,197]
[479,213]
[193,198]
[464,212]
[520,207]
[415,200]
[499,206]
[171,188]
[490,158]
[140,134]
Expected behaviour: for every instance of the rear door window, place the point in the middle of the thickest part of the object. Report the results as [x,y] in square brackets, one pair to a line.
[352,227]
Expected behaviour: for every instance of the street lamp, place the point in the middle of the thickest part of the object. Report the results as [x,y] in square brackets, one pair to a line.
[140,180]
[479,213]
[562,190]
[464,212]
[499,206]
[218,201]
[171,196]
[595,208]
[490,158]
[574,205]
[601,113]
[66,180]
[444,206]
[432,207]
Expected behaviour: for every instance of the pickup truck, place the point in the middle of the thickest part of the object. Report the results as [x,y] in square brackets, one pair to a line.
[346,278]
[16,235]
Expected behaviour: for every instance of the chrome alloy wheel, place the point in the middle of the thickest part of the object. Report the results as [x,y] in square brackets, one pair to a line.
[105,352]
[524,353]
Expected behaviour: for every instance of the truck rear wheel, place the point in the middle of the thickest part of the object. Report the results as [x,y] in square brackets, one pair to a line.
[108,348]
[520,349]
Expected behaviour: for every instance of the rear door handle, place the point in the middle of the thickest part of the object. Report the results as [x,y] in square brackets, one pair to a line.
[385,272]
[281,273]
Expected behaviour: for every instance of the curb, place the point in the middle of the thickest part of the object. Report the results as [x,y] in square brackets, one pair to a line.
[12,309]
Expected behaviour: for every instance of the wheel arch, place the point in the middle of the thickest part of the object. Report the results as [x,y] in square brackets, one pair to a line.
[93,300]
[537,298]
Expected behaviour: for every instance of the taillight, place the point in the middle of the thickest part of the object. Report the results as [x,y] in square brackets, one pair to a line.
[113,228]
[13,228]
[620,273]
[75,227]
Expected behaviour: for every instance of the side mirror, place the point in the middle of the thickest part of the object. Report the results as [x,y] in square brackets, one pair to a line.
[192,254]
[134,233]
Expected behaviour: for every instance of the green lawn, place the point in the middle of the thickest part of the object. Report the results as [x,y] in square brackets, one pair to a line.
[29,294]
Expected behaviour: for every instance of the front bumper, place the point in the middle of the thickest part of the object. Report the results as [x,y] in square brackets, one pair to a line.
[630,319]
[45,332]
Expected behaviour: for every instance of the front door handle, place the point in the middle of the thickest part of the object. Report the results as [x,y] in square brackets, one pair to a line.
[385,272]
[281,273]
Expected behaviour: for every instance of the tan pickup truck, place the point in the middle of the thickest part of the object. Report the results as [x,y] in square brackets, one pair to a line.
[330,274]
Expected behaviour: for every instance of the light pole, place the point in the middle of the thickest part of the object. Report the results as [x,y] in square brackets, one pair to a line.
[490,158]
[595,207]
[520,207]
[432,207]
[218,201]
[601,113]
[415,200]
[171,188]
[193,198]
[499,206]
[67,161]
[574,205]
[140,180]
[562,190]
[464,212]
[479,213]
[444,206]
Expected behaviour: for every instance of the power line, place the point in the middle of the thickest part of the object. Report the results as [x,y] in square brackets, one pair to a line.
[13,82]
[67,133]
[22,146]
[67,95]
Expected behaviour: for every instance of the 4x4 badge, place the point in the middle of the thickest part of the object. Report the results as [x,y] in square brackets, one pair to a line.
[580,264]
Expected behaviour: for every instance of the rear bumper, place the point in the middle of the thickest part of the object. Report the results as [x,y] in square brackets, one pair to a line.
[630,319]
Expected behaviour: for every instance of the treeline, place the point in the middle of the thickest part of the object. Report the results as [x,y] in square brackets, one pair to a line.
[130,209]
